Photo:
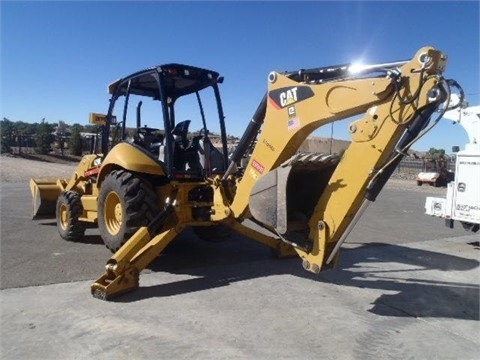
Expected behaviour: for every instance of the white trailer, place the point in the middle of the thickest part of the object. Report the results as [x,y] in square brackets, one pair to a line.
[462,202]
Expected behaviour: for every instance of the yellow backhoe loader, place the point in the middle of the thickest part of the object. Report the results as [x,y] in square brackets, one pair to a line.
[143,193]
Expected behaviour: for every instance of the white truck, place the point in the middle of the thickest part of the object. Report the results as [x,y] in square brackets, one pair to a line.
[462,202]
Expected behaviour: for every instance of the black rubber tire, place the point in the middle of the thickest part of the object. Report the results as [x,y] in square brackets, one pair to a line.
[214,233]
[69,208]
[470,226]
[135,205]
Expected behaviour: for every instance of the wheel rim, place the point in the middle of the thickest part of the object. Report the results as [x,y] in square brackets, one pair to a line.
[113,213]
[63,216]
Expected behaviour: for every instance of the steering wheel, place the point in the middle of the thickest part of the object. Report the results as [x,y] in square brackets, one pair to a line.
[147,138]
[145,131]
[202,132]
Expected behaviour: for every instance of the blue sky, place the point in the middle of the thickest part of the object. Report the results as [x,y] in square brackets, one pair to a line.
[57,58]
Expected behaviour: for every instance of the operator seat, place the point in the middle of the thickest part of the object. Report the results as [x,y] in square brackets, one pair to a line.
[185,153]
[210,157]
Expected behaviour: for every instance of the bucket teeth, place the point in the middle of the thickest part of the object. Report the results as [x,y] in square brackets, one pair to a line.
[312,159]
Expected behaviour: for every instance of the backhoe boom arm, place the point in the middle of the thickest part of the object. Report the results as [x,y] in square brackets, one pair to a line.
[396,108]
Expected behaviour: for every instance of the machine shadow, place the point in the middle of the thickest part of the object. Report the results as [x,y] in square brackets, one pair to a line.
[240,259]
[475,244]
[91,240]
[417,296]
[88,239]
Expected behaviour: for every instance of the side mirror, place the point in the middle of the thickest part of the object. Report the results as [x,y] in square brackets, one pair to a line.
[455,149]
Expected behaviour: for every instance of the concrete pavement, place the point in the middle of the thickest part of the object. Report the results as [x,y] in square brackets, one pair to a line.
[418,300]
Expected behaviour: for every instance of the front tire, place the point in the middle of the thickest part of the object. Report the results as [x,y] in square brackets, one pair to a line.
[69,209]
[125,203]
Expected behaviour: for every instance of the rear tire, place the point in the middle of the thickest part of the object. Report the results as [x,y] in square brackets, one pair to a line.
[470,226]
[69,209]
[125,203]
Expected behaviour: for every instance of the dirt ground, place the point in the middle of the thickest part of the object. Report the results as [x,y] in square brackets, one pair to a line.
[14,168]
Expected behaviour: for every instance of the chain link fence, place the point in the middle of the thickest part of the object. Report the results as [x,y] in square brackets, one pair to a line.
[410,167]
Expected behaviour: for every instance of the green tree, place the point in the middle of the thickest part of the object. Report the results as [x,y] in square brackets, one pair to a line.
[91,128]
[44,137]
[7,133]
[75,143]
[436,154]
[24,128]
[25,131]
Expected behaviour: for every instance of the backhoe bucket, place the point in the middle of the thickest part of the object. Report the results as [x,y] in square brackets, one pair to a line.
[45,193]
[285,198]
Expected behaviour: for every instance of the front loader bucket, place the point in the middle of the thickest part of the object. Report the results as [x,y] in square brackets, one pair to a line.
[45,193]
[285,198]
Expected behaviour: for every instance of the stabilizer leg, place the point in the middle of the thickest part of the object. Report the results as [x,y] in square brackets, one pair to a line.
[123,269]
[120,279]
[106,288]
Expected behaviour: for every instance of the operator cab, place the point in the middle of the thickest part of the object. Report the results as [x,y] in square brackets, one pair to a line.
[164,111]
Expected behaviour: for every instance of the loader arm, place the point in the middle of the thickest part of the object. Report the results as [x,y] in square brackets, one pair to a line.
[395,107]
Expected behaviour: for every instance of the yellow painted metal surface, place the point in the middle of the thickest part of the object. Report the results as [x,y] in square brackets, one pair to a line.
[89,202]
[130,158]
[294,110]
[123,268]
[284,132]
[45,192]
[373,139]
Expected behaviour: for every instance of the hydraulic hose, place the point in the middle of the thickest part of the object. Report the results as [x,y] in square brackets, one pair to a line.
[248,136]
[422,118]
